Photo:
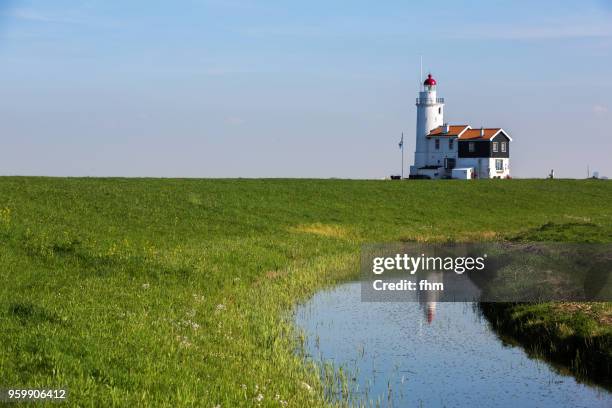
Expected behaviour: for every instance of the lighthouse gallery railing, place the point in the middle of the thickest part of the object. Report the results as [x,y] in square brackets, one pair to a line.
[425,101]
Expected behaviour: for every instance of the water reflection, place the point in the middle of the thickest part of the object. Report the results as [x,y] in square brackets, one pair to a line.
[428,299]
[428,353]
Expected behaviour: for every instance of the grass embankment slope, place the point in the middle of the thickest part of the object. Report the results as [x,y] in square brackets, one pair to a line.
[176,292]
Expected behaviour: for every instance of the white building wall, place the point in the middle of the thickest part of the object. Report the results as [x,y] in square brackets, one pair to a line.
[484,167]
[479,164]
[432,173]
[436,157]
[505,172]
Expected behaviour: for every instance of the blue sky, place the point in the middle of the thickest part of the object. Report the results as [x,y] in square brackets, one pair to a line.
[232,88]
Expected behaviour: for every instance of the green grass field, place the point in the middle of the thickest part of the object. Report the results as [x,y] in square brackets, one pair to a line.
[178,292]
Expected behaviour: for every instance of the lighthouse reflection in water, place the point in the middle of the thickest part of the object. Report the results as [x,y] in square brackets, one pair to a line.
[427,288]
[428,299]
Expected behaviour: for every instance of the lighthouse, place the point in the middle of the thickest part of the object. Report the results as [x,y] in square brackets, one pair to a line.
[444,151]
[430,115]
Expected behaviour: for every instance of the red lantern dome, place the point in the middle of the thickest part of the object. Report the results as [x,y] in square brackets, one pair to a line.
[430,81]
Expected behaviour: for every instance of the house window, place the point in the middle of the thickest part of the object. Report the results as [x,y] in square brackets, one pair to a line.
[450,144]
[503,147]
[437,144]
[495,147]
[471,147]
[499,164]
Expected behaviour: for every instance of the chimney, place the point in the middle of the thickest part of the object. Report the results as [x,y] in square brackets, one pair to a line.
[481,132]
[446,128]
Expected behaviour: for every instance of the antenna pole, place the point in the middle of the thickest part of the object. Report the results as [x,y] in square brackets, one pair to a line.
[402,155]
[421,74]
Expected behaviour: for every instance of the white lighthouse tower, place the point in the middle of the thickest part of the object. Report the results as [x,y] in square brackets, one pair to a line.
[430,115]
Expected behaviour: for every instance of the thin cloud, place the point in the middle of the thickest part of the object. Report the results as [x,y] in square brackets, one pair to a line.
[560,31]
[300,31]
[38,17]
[600,109]
[75,16]
[542,32]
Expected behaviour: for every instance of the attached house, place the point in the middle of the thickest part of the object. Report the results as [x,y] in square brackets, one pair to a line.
[485,150]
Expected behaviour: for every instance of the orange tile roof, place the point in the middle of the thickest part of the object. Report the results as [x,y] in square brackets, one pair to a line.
[454,130]
[464,132]
[474,134]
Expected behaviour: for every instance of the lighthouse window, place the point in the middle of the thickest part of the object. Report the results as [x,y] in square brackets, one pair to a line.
[450,144]
[495,147]
[437,144]
[440,110]
[471,147]
[503,147]
[499,165]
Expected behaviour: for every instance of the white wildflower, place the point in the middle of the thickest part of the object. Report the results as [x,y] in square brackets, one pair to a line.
[145,286]
[259,397]
[306,386]
[184,341]
[190,323]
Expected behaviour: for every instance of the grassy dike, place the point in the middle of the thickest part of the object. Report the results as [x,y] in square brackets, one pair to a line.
[178,292]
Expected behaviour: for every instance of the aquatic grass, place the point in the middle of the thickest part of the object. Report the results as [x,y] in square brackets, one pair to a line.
[574,339]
